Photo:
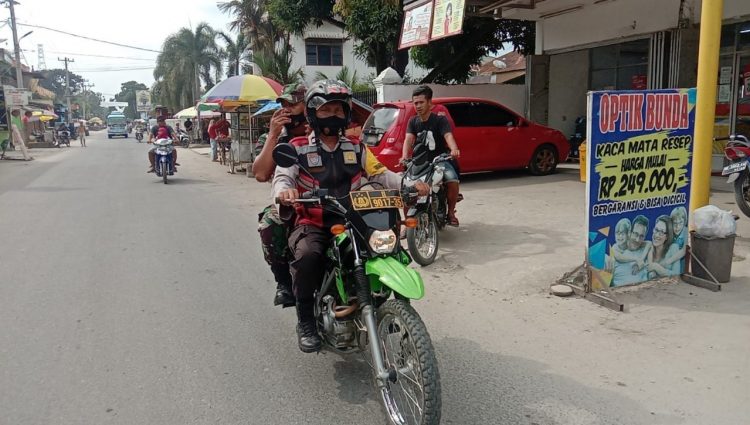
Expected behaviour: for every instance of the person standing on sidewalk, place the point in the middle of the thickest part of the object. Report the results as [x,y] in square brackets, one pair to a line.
[16,128]
[82,133]
[212,139]
[26,129]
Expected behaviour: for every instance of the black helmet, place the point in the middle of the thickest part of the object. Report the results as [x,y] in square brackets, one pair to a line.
[326,91]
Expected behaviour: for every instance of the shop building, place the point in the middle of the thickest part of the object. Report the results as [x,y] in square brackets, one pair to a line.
[584,45]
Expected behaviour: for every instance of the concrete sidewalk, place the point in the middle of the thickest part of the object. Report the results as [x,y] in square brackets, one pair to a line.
[678,355]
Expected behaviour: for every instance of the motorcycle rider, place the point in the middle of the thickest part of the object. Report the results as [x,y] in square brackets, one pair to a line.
[435,131]
[161,131]
[286,123]
[337,164]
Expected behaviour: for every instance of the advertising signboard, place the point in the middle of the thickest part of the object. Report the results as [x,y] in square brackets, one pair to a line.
[143,100]
[448,18]
[639,156]
[415,29]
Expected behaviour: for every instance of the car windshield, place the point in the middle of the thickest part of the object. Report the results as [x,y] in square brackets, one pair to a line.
[381,119]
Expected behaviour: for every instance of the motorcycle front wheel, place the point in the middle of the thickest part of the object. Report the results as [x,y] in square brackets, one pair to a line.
[423,240]
[742,192]
[412,395]
[164,171]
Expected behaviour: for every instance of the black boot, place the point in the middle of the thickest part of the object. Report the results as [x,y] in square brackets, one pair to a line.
[307,332]
[284,296]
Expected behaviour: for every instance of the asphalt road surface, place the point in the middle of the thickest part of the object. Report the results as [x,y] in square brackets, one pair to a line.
[127,301]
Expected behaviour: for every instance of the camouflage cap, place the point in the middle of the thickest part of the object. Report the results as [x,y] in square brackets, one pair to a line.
[293,93]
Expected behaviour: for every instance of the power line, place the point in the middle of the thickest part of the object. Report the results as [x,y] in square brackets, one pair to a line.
[96,56]
[114,70]
[88,38]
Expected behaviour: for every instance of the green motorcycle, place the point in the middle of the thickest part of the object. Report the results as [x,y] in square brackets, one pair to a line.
[363,304]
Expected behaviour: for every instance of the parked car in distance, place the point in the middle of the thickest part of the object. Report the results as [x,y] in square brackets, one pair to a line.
[490,136]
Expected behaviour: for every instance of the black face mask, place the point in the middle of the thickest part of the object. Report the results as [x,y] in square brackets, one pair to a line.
[297,120]
[332,126]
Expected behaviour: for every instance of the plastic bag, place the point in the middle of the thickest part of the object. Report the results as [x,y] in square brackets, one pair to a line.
[713,222]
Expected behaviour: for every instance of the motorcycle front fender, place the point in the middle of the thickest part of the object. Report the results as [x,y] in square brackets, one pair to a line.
[395,275]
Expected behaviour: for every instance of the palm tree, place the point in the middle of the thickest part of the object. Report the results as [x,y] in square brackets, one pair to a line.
[187,56]
[236,53]
[251,18]
[350,78]
[278,65]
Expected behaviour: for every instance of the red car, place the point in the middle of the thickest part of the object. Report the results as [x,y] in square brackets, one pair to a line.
[490,136]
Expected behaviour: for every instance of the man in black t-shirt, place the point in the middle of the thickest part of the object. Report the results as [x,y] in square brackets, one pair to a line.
[434,131]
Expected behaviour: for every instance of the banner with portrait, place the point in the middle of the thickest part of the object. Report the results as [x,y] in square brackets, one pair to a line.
[639,159]
[415,30]
[448,18]
[143,100]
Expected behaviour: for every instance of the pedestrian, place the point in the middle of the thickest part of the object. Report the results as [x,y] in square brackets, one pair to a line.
[82,133]
[18,141]
[26,130]
[212,139]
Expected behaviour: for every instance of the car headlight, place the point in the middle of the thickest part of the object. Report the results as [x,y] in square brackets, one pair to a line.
[383,241]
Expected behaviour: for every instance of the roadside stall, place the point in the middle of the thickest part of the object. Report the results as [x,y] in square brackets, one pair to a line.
[241,96]
[193,113]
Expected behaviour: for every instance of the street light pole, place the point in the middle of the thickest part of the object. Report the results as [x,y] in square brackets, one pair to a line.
[67,86]
[16,48]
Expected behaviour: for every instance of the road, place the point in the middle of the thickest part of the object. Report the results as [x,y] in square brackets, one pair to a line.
[125,301]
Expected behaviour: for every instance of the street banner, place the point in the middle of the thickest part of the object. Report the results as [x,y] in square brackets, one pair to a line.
[143,100]
[639,154]
[415,29]
[16,97]
[447,18]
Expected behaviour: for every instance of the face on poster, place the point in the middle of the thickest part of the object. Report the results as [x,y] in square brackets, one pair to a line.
[448,18]
[416,27]
[640,147]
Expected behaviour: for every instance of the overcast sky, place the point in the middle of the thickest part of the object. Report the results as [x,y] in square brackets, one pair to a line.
[141,23]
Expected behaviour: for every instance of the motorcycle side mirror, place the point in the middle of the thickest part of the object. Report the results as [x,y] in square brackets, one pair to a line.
[285,155]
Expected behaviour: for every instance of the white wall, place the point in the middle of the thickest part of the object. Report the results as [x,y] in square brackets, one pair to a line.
[512,96]
[609,21]
[350,60]
[732,9]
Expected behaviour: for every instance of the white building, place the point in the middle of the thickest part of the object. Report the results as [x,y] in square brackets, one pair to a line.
[328,48]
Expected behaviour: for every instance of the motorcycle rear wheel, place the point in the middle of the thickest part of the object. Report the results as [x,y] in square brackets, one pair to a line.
[423,240]
[742,192]
[413,397]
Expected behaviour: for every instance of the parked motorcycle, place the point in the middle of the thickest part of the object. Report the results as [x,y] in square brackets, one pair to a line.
[63,138]
[575,140]
[738,154]
[363,303]
[430,211]
[184,138]
[163,163]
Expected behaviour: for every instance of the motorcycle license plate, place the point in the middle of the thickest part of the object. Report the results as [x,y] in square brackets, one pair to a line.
[734,168]
[376,199]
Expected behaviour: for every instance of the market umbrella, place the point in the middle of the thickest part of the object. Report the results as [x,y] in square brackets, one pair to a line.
[191,112]
[270,106]
[243,90]
[44,115]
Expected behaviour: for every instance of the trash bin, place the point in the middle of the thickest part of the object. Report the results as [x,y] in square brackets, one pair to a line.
[715,253]
[582,161]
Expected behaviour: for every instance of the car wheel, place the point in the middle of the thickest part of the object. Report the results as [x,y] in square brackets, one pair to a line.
[544,160]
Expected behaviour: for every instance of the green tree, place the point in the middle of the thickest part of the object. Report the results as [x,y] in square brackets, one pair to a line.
[350,78]
[188,56]
[235,53]
[450,59]
[278,65]
[127,94]
[376,24]
[251,19]
[55,80]
[92,101]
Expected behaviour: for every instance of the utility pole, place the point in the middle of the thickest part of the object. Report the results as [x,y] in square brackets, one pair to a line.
[16,48]
[86,87]
[67,86]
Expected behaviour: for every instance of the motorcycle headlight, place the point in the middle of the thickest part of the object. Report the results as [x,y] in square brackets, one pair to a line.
[383,241]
